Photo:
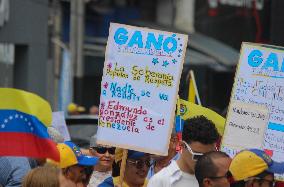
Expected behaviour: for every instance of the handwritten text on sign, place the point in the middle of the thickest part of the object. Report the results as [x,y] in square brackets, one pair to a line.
[139,88]
[259,80]
[245,126]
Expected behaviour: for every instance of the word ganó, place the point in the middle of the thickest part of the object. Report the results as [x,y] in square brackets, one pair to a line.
[273,62]
[167,43]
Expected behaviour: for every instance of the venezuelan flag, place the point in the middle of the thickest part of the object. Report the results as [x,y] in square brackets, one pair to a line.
[24,118]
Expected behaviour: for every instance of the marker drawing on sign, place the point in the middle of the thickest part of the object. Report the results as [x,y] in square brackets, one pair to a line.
[259,82]
[141,76]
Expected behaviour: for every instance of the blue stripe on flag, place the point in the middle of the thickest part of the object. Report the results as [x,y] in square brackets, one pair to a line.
[15,121]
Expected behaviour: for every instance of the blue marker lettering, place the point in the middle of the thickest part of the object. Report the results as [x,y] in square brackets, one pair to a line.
[255,58]
[271,61]
[173,45]
[282,68]
[136,39]
[120,36]
[151,39]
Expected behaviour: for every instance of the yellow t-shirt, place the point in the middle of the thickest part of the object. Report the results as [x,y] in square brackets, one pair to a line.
[116,182]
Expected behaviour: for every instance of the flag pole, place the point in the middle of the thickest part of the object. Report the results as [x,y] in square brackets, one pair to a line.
[178,126]
[195,87]
[178,111]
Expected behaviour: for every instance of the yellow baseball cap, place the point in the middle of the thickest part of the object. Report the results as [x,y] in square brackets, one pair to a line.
[67,157]
[252,162]
[70,154]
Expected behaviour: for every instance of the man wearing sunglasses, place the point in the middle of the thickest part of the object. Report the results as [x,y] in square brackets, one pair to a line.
[136,169]
[106,157]
[73,162]
[211,170]
[254,168]
[199,136]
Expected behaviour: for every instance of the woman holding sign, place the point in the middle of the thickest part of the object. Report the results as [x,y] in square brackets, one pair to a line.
[136,169]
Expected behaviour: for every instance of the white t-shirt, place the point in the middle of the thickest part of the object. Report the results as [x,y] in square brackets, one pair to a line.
[172,176]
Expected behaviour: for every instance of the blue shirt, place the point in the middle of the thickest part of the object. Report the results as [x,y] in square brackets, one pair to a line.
[108,182]
[13,170]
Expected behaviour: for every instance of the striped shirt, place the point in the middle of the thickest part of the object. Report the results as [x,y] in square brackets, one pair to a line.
[13,170]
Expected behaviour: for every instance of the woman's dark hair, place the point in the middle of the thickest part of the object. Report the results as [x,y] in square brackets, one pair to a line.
[88,172]
[116,169]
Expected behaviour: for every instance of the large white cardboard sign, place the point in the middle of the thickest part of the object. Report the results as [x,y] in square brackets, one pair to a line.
[259,80]
[139,88]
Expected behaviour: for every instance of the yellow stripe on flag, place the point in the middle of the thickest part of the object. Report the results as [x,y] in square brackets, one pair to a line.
[190,110]
[29,103]
[191,91]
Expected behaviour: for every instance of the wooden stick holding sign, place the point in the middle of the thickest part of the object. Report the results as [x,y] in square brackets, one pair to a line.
[123,165]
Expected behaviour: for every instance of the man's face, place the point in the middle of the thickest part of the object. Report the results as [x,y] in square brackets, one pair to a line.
[76,173]
[267,181]
[220,179]
[64,182]
[196,147]
[136,170]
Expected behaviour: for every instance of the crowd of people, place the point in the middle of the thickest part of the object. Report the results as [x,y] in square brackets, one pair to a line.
[199,163]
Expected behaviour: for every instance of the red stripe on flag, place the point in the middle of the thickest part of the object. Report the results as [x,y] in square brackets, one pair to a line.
[27,145]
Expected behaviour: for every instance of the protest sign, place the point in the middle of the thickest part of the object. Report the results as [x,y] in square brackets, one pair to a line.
[58,122]
[245,126]
[139,88]
[260,80]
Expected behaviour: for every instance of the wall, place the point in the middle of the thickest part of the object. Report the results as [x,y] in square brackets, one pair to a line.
[27,28]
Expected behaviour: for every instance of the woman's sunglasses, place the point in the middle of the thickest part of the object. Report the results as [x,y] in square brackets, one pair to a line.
[103,150]
[139,164]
